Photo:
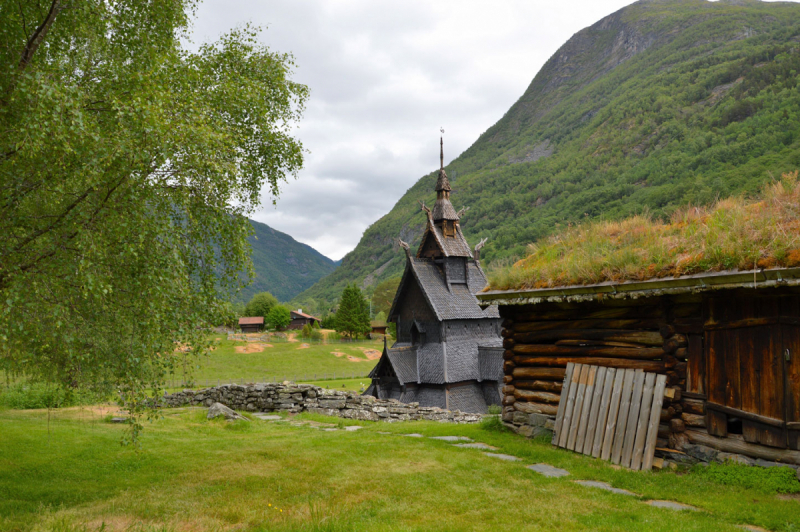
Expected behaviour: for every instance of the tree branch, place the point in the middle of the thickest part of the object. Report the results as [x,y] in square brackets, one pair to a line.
[38,35]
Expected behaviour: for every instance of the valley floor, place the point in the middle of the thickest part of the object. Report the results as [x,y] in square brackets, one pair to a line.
[67,471]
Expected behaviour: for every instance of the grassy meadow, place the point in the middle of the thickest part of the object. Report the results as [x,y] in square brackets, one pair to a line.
[68,472]
[278,359]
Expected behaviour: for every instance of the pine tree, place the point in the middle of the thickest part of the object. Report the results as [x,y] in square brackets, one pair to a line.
[352,318]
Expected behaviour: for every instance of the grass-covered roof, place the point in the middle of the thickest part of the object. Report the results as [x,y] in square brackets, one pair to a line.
[734,233]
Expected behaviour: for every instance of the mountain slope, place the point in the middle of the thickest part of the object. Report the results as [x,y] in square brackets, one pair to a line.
[662,104]
[283,266]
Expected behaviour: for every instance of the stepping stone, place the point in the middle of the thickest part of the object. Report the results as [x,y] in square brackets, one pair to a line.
[548,470]
[267,417]
[415,435]
[329,430]
[382,432]
[353,428]
[506,457]
[604,486]
[476,445]
[119,420]
[752,528]
[672,505]
[451,438]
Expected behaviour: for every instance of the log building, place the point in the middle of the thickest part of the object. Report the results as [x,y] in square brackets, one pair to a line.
[728,342]
[447,352]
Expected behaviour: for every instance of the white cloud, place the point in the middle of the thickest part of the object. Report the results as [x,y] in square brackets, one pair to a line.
[384,76]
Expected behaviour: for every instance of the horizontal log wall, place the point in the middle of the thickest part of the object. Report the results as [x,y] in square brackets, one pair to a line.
[651,335]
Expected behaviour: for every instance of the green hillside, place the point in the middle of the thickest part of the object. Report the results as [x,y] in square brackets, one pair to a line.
[283,266]
[663,104]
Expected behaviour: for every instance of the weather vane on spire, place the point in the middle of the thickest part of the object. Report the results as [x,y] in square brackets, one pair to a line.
[441,150]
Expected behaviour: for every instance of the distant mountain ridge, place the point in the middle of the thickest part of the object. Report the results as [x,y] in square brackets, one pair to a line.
[662,104]
[283,266]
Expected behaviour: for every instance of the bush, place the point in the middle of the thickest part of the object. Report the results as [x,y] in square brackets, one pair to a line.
[492,422]
[279,317]
[306,331]
[316,325]
[260,305]
[765,479]
[316,335]
[329,321]
[28,395]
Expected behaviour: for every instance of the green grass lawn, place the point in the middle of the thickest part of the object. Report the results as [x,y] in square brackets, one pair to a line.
[71,474]
[282,361]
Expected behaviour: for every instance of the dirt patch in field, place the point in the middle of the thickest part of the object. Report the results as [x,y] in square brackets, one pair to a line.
[251,348]
[338,353]
[790,497]
[371,354]
[292,337]
[304,346]
[351,358]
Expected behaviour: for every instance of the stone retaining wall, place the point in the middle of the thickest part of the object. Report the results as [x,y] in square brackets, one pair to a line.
[297,398]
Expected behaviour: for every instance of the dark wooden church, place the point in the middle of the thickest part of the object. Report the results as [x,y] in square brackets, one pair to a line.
[448,352]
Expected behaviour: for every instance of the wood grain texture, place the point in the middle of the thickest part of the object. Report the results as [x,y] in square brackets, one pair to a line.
[643,421]
[622,416]
[602,413]
[633,417]
[613,413]
[596,399]
[562,404]
[652,424]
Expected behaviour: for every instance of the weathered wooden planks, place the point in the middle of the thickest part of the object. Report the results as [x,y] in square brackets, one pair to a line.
[611,413]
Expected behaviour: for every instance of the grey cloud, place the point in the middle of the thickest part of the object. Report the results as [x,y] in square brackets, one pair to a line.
[384,76]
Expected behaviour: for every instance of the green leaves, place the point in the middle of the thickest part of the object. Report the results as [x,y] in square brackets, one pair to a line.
[127,165]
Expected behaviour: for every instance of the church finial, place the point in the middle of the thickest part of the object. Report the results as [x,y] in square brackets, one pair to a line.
[441,150]
[442,184]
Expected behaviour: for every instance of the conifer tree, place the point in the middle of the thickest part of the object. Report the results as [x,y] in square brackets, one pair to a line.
[352,318]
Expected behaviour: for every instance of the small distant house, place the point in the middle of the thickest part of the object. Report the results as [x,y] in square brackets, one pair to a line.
[301,319]
[378,328]
[251,324]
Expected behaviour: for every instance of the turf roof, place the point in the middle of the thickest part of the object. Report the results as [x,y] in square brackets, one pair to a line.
[733,234]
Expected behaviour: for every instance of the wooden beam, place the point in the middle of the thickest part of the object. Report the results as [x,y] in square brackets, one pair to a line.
[620,363]
[736,444]
[648,353]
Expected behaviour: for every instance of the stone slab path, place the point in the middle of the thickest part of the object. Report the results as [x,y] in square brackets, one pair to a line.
[506,457]
[267,417]
[672,505]
[548,470]
[476,445]
[604,486]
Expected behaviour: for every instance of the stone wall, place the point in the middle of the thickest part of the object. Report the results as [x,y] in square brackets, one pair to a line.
[295,398]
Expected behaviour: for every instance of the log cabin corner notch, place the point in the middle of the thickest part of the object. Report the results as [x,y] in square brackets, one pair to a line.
[728,342]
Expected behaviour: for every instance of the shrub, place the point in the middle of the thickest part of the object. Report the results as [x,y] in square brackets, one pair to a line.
[28,395]
[766,479]
[492,422]
[260,305]
[279,317]
[306,331]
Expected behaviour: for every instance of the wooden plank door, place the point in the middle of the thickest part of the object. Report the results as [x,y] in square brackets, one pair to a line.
[746,381]
[791,361]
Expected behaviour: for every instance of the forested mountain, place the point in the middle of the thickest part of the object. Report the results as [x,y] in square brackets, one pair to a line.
[283,266]
[662,104]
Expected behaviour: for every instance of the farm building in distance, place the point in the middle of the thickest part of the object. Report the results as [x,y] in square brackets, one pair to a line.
[436,360]
[728,342]
[251,324]
[301,319]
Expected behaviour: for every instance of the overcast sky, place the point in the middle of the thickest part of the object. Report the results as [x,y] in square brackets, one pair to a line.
[384,77]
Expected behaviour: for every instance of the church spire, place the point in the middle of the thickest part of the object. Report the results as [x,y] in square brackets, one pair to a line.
[443,209]
[442,184]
